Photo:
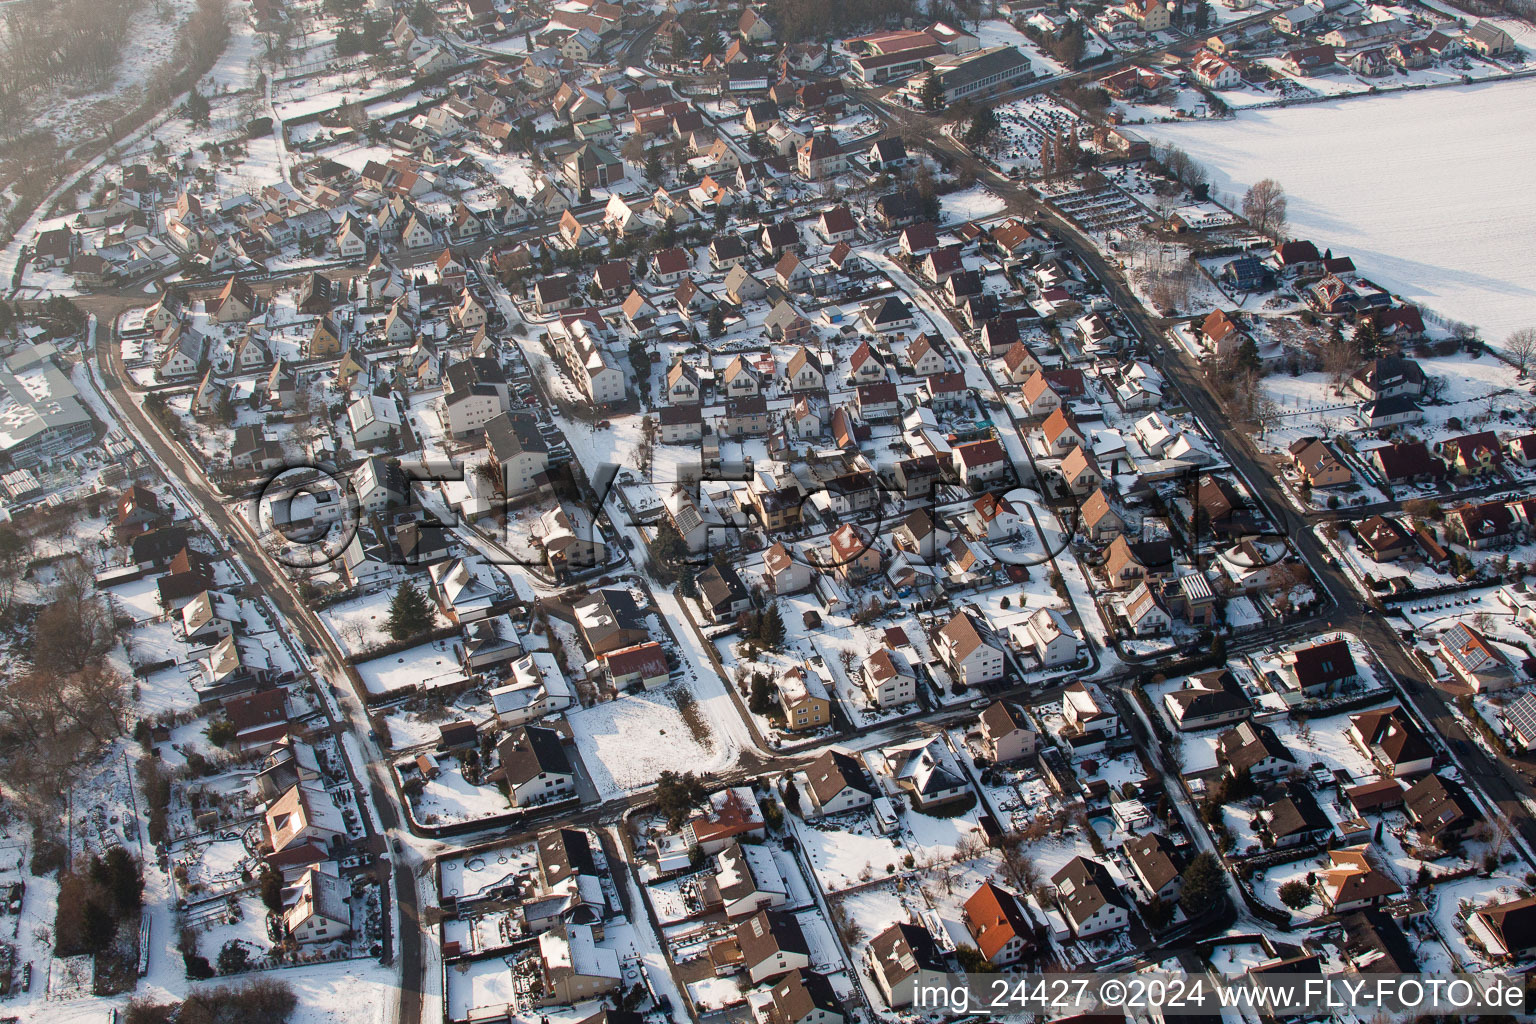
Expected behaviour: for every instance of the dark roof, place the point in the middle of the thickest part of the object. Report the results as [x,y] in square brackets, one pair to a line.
[564,852]
[1324,663]
[1377,945]
[466,373]
[904,949]
[1399,739]
[530,750]
[767,933]
[800,994]
[1153,856]
[833,771]
[1407,459]
[511,434]
[1438,805]
[1084,886]
[1296,813]
[1249,743]
[1214,693]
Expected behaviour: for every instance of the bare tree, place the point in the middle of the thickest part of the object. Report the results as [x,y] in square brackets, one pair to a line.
[1521,347]
[1264,207]
[1340,359]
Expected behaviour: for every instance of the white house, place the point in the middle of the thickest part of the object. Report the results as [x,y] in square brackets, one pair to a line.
[373,419]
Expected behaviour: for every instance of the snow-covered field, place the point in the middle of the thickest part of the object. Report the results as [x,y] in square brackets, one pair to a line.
[1428,191]
[627,743]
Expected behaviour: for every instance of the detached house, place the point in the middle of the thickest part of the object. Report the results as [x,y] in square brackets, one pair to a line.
[999,925]
[970,651]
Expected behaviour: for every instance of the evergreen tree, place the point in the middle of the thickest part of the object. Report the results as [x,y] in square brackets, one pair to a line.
[409,613]
[716,321]
[97,926]
[1296,894]
[196,107]
[123,880]
[1203,888]
[982,125]
[761,701]
[932,94]
[272,890]
[772,628]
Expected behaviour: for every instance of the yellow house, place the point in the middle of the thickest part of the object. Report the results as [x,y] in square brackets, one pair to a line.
[326,341]
[1150,15]
[804,700]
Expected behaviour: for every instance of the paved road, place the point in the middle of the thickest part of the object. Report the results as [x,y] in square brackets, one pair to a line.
[235,535]
[1497,777]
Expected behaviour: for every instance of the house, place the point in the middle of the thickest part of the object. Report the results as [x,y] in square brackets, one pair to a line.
[821,156]
[804,371]
[1007,733]
[373,420]
[1293,818]
[235,302]
[802,997]
[1090,898]
[573,968]
[1389,412]
[722,594]
[1487,524]
[1506,930]
[887,154]
[1441,810]
[925,770]
[999,925]
[979,462]
[772,945]
[1214,72]
[1097,520]
[318,911]
[591,166]
[1473,454]
[1155,863]
[837,783]
[1088,713]
[1047,634]
[803,698]
[889,679]
[895,957]
[518,451]
[1393,742]
[1061,433]
[1406,462]
[305,814]
[1079,472]
[878,401]
[1207,699]
[1475,661]
[534,765]
[1388,377]
[837,225]
[1321,669]
[1489,40]
[1384,539]
[1318,465]
[1253,748]
[745,880]
[970,651]
[260,720]
[1353,882]
[645,664]
[1144,612]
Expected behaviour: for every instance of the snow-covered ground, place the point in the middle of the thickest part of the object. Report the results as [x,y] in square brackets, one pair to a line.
[1427,191]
